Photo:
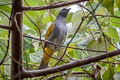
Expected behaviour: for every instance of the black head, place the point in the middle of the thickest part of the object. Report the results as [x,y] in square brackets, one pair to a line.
[64,12]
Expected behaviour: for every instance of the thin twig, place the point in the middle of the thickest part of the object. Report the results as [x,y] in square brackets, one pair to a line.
[71,74]
[62,45]
[104,16]
[110,62]
[8,41]
[5,14]
[3,4]
[54,5]
[4,27]
[88,73]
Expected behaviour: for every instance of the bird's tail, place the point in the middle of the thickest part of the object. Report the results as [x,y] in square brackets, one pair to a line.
[43,65]
[46,57]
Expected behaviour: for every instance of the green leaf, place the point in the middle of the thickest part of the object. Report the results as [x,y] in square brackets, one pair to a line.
[77,69]
[27,44]
[68,18]
[36,18]
[94,4]
[26,59]
[68,74]
[46,18]
[77,54]
[35,57]
[4,1]
[99,76]
[76,19]
[60,53]
[117,68]
[5,8]
[90,1]
[59,78]
[108,75]
[4,19]
[118,3]
[112,33]
[35,44]
[51,1]
[7,69]
[96,45]
[35,3]
[111,48]
[109,5]
[115,22]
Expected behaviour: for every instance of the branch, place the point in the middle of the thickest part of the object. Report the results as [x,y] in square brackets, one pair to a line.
[4,27]
[105,15]
[62,45]
[5,14]
[51,6]
[6,53]
[8,38]
[16,39]
[36,73]
[64,74]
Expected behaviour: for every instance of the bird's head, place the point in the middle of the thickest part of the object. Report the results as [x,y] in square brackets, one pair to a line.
[64,12]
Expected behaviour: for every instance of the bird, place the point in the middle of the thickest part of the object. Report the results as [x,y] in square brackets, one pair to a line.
[56,33]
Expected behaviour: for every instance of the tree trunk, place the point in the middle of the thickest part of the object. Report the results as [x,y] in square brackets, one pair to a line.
[16,40]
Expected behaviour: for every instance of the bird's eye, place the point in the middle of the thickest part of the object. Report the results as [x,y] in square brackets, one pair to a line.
[64,10]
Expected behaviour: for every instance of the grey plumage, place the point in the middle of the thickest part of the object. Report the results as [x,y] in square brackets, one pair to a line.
[57,35]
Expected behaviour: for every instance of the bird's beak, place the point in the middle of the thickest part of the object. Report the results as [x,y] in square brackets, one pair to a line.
[68,9]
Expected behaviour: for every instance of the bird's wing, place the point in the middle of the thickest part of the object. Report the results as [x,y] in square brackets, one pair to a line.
[50,29]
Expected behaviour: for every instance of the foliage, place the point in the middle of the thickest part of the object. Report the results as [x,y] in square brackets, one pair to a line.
[89,36]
